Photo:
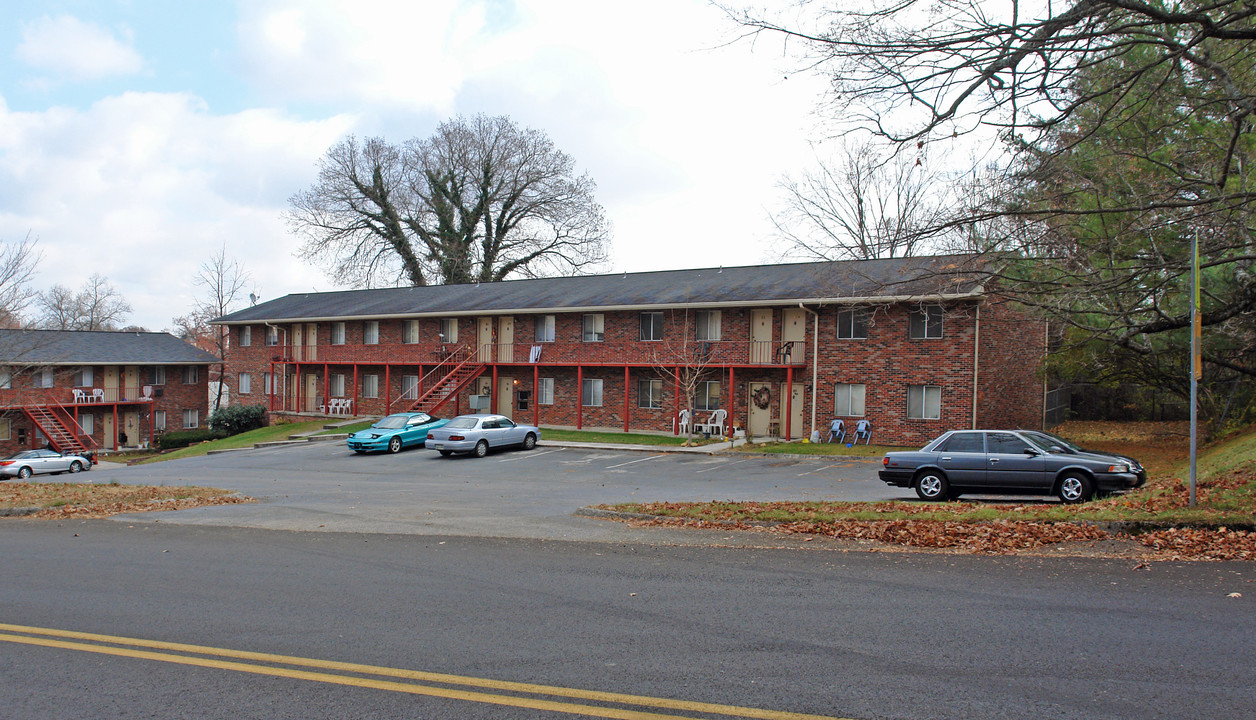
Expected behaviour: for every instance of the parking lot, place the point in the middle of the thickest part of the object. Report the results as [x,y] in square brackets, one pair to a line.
[324,486]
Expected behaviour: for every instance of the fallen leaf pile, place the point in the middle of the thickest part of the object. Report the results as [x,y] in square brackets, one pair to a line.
[86,500]
[1201,544]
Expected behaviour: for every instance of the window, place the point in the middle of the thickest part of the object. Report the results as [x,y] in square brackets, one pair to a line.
[84,377]
[191,374]
[545,391]
[849,399]
[159,420]
[6,378]
[651,326]
[370,386]
[409,387]
[925,323]
[6,429]
[158,375]
[191,418]
[42,378]
[924,402]
[545,328]
[272,335]
[650,394]
[852,324]
[370,332]
[87,423]
[245,384]
[338,385]
[245,336]
[707,395]
[593,328]
[708,325]
[338,333]
[449,330]
[592,392]
[1005,443]
[964,442]
[268,383]
[410,332]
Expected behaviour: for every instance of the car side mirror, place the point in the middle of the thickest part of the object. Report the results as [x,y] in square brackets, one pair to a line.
[1032,452]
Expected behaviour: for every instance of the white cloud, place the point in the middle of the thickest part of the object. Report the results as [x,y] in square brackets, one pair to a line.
[69,49]
[142,187]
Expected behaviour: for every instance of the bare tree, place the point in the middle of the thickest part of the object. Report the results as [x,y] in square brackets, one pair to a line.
[684,361]
[222,282]
[18,261]
[96,306]
[861,205]
[479,201]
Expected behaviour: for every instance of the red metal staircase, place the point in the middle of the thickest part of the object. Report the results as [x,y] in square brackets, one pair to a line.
[446,380]
[59,427]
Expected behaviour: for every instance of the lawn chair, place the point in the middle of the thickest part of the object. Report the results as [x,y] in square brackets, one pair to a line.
[863,429]
[682,422]
[79,396]
[714,424]
[837,430]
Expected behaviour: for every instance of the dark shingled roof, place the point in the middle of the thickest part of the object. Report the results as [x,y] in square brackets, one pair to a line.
[97,347]
[889,279]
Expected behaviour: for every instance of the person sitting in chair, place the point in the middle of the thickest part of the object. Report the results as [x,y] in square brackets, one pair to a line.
[837,430]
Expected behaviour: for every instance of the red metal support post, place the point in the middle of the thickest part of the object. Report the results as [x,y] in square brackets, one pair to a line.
[627,379]
[789,401]
[579,396]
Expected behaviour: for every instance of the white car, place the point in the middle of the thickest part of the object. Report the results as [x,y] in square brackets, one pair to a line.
[33,462]
[478,433]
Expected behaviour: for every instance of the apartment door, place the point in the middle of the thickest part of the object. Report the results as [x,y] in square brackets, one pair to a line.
[290,401]
[761,336]
[759,403]
[506,397]
[131,426]
[505,339]
[797,399]
[296,342]
[793,334]
[311,341]
[131,384]
[484,339]
[310,401]
[107,425]
[111,388]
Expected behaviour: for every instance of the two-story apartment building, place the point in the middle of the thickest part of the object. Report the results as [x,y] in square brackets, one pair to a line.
[914,345]
[88,390]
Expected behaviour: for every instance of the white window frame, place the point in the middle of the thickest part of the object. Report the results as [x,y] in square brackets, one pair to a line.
[410,332]
[272,335]
[159,374]
[592,393]
[852,324]
[653,328]
[919,326]
[244,384]
[707,325]
[337,385]
[6,378]
[593,328]
[409,387]
[6,429]
[84,377]
[244,337]
[918,401]
[545,391]
[191,374]
[702,396]
[191,418]
[42,378]
[850,399]
[370,386]
[338,333]
[449,330]
[159,420]
[650,399]
[87,423]
[545,329]
[370,332]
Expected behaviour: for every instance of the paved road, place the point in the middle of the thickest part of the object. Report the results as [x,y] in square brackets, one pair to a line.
[851,635]
[324,487]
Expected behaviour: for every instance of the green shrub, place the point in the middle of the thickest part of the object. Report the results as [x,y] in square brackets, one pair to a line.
[235,419]
[183,438]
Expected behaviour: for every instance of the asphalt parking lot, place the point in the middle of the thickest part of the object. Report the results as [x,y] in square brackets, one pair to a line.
[325,487]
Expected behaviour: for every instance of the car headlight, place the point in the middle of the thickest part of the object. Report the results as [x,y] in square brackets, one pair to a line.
[1119,468]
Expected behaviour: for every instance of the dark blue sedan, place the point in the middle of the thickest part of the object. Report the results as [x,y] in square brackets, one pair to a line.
[397,431]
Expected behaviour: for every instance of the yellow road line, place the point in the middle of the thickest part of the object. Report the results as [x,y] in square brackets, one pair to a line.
[499,685]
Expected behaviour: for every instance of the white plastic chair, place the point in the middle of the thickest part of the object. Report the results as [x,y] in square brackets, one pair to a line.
[98,395]
[684,420]
[79,396]
[714,424]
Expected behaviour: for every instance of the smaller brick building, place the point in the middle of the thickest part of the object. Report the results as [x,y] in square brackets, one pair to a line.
[914,345]
[89,390]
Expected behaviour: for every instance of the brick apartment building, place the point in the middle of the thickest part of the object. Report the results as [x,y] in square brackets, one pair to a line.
[914,345]
[84,390]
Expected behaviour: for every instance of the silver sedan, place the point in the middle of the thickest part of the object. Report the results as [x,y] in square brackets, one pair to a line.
[477,433]
[33,462]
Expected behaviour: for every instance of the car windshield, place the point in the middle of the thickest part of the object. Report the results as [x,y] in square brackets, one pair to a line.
[1046,440]
[392,422]
[462,423]
[19,455]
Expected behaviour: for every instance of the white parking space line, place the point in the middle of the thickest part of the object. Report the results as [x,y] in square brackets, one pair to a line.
[526,456]
[721,466]
[630,462]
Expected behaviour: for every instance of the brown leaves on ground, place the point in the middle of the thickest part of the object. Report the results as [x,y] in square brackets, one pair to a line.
[85,500]
[1202,544]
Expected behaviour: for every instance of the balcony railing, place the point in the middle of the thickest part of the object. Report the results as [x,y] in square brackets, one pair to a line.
[714,353]
[17,397]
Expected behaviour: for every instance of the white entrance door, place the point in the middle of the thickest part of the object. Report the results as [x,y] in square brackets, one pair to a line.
[796,400]
[110,436]
[793,330]
[484,339]
[296,342]
[111,390]
[506,397]
[759,402]
[505,339]
[311,341]
[131,426]
[761,336]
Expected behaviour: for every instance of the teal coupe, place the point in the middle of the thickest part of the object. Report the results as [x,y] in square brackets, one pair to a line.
[394,432]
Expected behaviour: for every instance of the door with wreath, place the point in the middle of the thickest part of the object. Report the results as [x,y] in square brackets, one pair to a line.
[759,422]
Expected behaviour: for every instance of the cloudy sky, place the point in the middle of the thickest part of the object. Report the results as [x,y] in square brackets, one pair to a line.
[138,136]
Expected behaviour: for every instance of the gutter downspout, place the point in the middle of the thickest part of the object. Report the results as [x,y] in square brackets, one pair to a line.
[976,359]
[815,365]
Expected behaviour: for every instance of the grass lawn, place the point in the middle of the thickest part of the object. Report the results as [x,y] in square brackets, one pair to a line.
[245,439]
[348,428]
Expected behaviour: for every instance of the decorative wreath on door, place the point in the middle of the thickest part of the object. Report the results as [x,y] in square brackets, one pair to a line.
[762,397]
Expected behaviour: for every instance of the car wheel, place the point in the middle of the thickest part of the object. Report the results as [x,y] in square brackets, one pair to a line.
[932,485]
[529,441]
[1075,488]
[76,466]
[481,448]
[394,445]
[446,453]
[24,473]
